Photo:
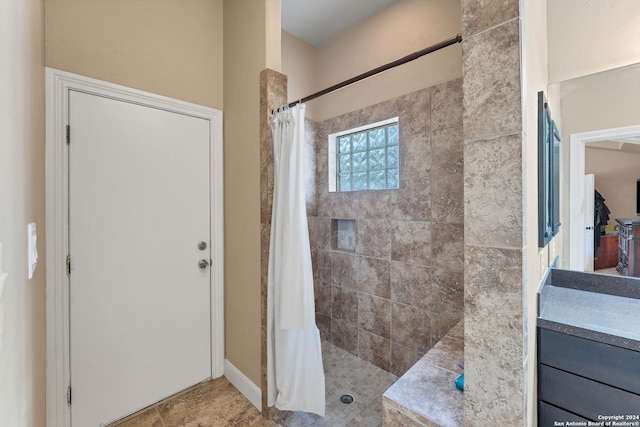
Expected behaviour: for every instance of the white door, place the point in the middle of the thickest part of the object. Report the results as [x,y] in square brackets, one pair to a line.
[589,200]
[139,302]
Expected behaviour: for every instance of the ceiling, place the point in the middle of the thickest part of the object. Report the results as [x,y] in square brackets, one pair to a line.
[623,145]
[318,21]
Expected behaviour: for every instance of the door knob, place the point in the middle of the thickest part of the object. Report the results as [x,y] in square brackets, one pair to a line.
[203,263]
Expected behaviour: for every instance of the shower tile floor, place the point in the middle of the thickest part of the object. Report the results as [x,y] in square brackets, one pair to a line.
[218,403]
[345,374]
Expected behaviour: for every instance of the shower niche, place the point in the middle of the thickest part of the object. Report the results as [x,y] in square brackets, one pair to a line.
[344,235]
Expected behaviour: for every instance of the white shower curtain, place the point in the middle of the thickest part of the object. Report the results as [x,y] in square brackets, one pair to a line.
[295,375]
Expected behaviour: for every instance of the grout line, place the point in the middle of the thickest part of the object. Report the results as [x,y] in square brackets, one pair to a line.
[489,137]
[486,30]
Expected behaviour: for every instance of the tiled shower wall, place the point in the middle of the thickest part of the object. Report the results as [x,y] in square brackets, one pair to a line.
[495,351]
[388,264]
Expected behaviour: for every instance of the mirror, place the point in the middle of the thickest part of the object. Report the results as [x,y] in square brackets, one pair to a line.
[548,173]
[599,121]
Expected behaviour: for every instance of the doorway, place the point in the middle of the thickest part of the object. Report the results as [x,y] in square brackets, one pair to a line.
[578,142]
[134,212]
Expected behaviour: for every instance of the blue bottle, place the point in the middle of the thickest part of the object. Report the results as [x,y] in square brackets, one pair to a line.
[460,383]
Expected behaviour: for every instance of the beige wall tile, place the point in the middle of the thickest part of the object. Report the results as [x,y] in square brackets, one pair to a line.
[411,327]
[374,315]
[492,101]
[415,157]
[448,354]
[324,266]
[319,232]
[447,290]
[322,291]
[440,326]
[412,201]
[375,204]
[374,277]
[447,199]
[411,242]
[344,304]
[447,151]
[479,15]
[374,349]
[411,285]
[345,335]
[448,246]
[374,238]
[394,417]
[323,322]
[414,112]
[344,269]
[402,358]
[493,301]
[493,191]
[446,105]
[345,205]
[493,390]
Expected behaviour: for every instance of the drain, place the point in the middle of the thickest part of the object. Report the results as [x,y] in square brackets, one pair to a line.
[346,399]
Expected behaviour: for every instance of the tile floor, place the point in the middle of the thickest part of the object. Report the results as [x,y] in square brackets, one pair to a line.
[218,403]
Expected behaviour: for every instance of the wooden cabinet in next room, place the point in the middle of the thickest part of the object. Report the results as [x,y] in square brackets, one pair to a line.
[607,256]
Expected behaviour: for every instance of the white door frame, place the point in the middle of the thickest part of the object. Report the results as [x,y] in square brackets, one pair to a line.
[577,146]
[58,83]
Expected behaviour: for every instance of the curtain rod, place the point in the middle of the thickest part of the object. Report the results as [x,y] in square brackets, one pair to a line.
[370,73]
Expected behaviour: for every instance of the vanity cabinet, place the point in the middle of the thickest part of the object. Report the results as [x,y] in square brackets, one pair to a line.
[588,349]
[580,379]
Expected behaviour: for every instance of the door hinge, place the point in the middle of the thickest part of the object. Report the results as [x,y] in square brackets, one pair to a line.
[69,395]
[68,134]
[68,264]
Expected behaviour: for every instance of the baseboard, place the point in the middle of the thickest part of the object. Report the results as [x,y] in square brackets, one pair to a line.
[240,381]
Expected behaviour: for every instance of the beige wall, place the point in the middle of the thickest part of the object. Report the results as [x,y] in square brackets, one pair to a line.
[176,49]
[273,35]
[536,260]
[587,37]
[401,29]
[22,303]
[299,60]
[245,56]
[172,48]
[616,173]
[601,101]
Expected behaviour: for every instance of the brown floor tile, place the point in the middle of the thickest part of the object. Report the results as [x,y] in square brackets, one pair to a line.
[213,404]
[150,418]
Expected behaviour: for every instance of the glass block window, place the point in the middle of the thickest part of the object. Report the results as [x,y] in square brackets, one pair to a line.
[366,158]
